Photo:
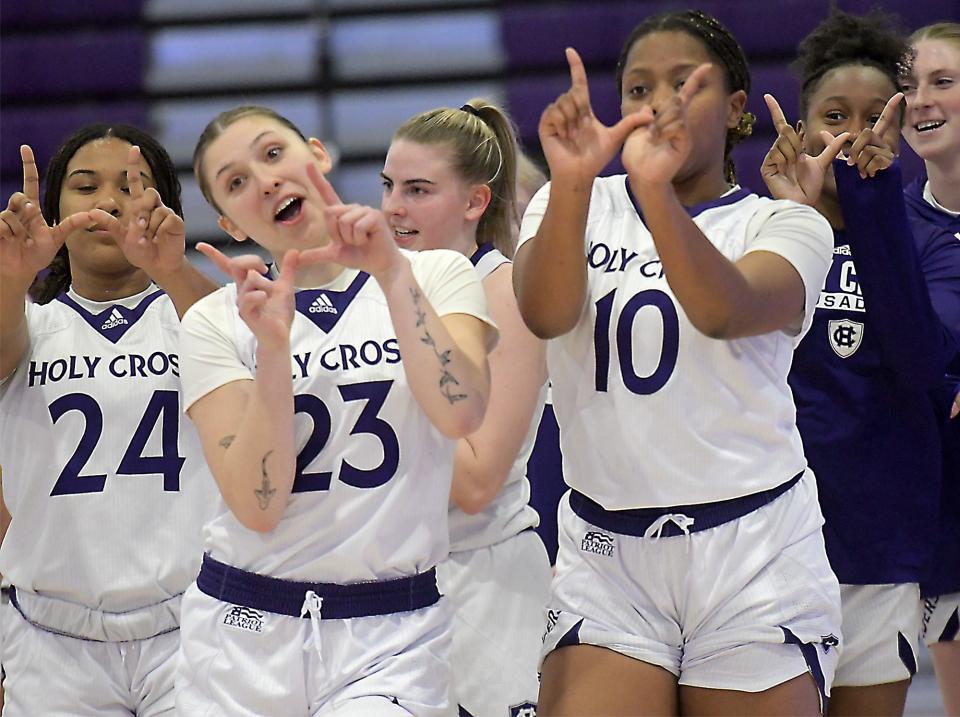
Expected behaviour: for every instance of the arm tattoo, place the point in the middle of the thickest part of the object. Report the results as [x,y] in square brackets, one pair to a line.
[264,493]
[226,441]
[448,382]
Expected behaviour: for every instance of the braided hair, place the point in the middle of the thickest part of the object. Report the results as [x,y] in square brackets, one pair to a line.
[871,40]
[721,45]
[58,277]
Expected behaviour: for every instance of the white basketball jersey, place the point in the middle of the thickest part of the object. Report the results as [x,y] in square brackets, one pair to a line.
[652,412]
[370,497]
[510,511]
[102,473]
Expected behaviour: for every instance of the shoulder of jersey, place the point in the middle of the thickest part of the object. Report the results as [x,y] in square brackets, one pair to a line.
[224,295]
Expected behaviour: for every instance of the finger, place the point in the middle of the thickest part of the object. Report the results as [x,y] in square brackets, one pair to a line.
[219,259]
[105,220]
[579,87]
[16,228]
[67,226]
[157,218]
[19,203]
[255,280]
[248,262]
[134,178]
[370,225]
[288,268]
[144,208]
[694,83]
[251,303]
[776,114]
[955,410]
[171,230]
[774,159]
[6,233]
[553,122]
[578,73]
[873,160]
[331,215]
[327,193]
[787,148]
[349,230]
[830,152]
[889,112]
[310,257]
[622,129]
[860,141]
[568,116]
[31,177]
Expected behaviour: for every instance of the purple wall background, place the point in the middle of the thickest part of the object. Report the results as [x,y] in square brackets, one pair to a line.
[64,63]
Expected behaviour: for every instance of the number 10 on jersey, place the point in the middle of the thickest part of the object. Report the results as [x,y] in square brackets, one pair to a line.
[623,340]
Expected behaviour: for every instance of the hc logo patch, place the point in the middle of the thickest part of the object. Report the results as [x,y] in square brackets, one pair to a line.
[828,641]
[596,542]
[243,618]
[845,336]
[524,709]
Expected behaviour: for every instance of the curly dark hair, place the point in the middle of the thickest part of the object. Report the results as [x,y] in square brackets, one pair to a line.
[872,40]
[720,44]
[57,279]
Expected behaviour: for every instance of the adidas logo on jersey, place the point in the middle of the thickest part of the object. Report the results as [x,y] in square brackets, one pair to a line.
[244,618]
[322,305]
[116,319]
[596,542]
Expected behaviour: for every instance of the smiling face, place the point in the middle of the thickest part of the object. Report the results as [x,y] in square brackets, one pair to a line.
[426,202]
[849,98]
[654,71]
[96,178]
[932,91]
[256,172]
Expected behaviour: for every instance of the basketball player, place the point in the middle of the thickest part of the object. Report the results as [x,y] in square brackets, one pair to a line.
[449,182]
[862,378]
[932,91]
[104,480]
[326,398]
[691,574]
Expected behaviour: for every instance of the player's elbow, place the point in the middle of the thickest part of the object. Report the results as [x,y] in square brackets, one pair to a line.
[461,423]
[473,496]
[472,502]
[715,326]
[262,522]
[549,325]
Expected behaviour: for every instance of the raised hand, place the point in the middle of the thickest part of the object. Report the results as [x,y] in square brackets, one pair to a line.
[575,143]
[872,152]
[787,170]
[236,267]
[660,144]
[266,306]
[359,236]
[154,238]
[27,242]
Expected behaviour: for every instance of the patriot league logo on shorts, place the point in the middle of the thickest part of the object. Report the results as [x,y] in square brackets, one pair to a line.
[244,618]
[596,542]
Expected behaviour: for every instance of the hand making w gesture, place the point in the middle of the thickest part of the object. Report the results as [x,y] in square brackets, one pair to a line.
[154,237]
[575,143]
[872,149]
[359,235]
[787,170]
[265,305]
[27,242]
[654,153]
